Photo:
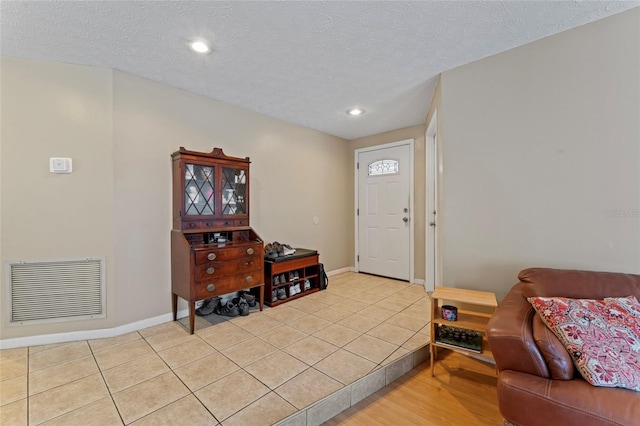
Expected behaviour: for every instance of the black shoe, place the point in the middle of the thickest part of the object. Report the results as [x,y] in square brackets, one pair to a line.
[228,310]
[243,307]
[282,293]
[207,307]
[250,298]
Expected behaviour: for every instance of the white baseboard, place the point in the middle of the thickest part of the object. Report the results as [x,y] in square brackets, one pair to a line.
[418,281]
[339,271]
[72,336]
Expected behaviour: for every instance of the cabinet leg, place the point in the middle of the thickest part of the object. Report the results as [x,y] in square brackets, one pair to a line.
[174,305]
[261,297]
[432,354]
[192,316]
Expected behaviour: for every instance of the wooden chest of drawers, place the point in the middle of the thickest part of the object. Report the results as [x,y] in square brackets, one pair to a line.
[202,271]
[214,251]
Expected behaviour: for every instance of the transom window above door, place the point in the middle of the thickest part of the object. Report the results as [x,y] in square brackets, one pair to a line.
[383,167]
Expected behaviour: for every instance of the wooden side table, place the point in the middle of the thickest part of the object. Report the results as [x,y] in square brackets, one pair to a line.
[467,319]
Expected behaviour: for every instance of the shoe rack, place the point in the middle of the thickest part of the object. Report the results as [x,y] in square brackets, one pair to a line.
[296,269]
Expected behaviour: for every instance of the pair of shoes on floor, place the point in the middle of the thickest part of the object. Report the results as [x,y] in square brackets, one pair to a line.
[207,307]
[294,289]
[250,298]
[233,308]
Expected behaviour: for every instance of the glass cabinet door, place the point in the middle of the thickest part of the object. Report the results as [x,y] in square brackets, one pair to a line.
[234,191]
[199,189]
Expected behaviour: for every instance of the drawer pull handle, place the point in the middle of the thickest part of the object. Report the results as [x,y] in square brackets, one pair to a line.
[210,270]
[211,287]
[211,256]
[250,251]
[249,279]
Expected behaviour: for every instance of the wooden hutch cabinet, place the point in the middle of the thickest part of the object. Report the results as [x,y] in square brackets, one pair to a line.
[214,251]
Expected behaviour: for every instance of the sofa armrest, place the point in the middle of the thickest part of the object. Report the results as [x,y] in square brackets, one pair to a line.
[510,336]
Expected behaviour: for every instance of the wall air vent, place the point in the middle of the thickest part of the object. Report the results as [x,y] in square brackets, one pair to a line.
[56,291]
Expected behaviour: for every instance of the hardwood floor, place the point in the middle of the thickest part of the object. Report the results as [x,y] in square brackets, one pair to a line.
[463,392]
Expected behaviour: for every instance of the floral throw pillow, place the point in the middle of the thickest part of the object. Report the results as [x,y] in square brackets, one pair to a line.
[602,336]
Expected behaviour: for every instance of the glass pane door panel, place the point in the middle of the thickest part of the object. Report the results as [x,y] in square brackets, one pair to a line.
[199,190]
[234,191]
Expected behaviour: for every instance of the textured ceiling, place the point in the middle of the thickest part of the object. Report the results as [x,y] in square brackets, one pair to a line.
[303,62]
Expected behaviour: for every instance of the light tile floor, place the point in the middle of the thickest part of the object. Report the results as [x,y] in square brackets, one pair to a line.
[251,370]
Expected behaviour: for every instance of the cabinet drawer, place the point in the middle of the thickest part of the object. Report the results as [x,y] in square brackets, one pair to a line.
[230,267]
[227,284]
[191,225]
[253,251]
[241,222]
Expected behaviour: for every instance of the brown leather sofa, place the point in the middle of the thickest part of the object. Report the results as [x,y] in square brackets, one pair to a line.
[537,382]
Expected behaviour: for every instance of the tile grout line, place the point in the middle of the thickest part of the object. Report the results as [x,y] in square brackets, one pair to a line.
[105,382]
[379,365]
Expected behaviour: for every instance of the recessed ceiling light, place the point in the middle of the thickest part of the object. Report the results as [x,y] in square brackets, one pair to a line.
[200,45]
[355,111]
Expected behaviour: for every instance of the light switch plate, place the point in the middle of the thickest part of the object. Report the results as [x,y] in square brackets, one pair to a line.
[60,165]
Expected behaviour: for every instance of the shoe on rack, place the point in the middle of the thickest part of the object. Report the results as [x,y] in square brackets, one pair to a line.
[307,284]
[282,294]
[292,290]
[279,248]
[274,296]
[292,275]
[270,252]
[207,307]
[228,310]
[296,275]
[288,250]
[276,280]
[283,279]
[297,287]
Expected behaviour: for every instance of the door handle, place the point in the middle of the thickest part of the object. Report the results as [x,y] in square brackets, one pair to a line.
[405,219]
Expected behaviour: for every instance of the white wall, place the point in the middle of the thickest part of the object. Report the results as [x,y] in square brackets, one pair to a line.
[540,144]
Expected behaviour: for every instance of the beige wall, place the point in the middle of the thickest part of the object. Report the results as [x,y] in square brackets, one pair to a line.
[417,134]
[296,174]
[120,131]
[541,144]
[56,110]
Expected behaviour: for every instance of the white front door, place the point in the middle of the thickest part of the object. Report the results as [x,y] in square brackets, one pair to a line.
[384,206]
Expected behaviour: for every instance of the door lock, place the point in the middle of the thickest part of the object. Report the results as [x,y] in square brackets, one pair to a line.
[405,219]
[432,224]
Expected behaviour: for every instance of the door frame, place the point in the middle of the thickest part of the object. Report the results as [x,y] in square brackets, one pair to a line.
[410,143]
[433,168]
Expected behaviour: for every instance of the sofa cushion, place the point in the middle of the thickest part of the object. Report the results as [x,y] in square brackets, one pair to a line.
[558,360]
[602,338]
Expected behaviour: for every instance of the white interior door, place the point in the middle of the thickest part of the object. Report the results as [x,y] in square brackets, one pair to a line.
[384,206]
